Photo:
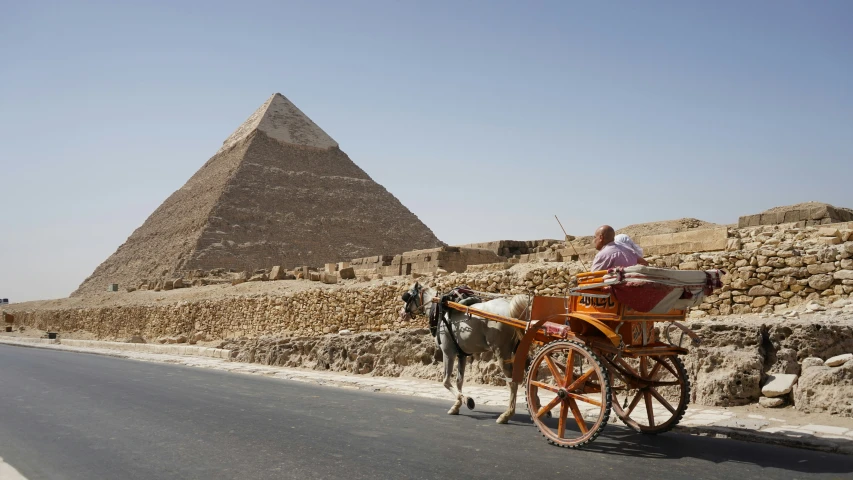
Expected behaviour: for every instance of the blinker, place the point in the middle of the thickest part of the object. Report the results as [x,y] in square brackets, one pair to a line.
[407,296]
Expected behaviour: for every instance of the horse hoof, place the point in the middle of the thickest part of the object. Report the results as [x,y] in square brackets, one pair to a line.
[502,420]
[453,411]
[469,402]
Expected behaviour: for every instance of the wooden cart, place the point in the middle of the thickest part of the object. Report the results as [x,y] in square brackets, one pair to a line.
[612,343]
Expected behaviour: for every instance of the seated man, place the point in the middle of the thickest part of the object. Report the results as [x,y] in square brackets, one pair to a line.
[611,254]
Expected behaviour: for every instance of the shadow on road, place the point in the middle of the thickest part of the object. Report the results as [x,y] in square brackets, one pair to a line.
[619,440]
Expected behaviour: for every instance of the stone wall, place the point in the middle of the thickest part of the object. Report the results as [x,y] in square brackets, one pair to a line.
[432,260]
[769,269]
[511,248]
[805,215]
[701,240]
[728,369]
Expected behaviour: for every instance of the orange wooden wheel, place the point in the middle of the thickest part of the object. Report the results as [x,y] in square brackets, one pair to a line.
[650,394]
[567,380]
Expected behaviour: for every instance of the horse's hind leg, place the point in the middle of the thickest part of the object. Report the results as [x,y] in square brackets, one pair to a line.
[449,358]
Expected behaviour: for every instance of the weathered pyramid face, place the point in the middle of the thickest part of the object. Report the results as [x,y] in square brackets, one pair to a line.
[278,192]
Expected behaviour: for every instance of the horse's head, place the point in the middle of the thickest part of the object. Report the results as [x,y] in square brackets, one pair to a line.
[414,299]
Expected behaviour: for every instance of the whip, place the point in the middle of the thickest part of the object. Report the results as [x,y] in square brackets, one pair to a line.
[570,243]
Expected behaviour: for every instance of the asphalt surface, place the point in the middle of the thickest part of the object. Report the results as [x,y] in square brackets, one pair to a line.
[77,416]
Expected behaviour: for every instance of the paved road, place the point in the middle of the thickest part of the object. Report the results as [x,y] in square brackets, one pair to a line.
[76,416]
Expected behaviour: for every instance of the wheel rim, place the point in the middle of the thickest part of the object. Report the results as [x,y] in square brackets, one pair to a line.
[578,398]
[650,394]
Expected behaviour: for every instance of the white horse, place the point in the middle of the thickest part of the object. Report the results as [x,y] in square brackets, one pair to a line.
[471,334]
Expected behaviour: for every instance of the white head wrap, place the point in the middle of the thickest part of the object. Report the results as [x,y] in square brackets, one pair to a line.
[625,241]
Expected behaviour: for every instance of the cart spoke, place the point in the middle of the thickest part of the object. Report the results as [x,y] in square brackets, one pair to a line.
[649,410]
[664,384]
[547,408]
[666,366]
[561,428]
[634,403]
[550,388]
[662,400]
[580,380]
[558,379]
[584,399]
[570,367]
[576,412]
[655,370]
[591,387]
[628,367]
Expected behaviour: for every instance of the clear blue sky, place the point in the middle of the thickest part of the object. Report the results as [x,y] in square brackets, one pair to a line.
[502,112]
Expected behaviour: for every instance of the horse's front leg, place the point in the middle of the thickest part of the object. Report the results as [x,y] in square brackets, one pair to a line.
[460,380]
[510,410]
[506,367]
[449,358]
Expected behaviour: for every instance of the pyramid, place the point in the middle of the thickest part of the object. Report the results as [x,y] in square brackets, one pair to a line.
[279,192]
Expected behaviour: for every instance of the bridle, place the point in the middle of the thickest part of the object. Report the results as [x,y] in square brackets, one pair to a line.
[416,294]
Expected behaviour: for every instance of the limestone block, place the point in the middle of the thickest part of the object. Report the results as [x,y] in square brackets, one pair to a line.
[778,384]
[343,265]
[819,268]
[795,261]
[314,276]
[167,285]
[733,244]
[828,232]
[843,275]
[810,362]
[277,273]
[260,277]
[178,283]
[759,302]
[838,360]
[821,282]
[818,213]
[825,389]
[726,376]
[768,402]
[830,240]
[331,267]
[330,278]
[346,272]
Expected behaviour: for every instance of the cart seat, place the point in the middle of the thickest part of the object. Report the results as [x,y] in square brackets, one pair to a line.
[662,275]
[659,290]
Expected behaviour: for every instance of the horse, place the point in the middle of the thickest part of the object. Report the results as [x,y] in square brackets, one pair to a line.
[468,334]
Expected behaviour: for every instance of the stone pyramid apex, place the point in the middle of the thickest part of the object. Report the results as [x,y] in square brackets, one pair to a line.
[280,119]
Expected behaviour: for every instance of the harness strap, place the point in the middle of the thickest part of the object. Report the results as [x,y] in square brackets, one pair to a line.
[459,351]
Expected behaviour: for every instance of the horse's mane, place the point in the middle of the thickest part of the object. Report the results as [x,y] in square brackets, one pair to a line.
[518,307]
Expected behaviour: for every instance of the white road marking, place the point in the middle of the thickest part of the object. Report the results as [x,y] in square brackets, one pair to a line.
[8,472]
